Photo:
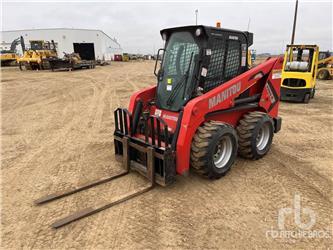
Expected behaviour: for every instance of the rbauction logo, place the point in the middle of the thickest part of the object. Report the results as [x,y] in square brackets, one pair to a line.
[215,100]
[303,227]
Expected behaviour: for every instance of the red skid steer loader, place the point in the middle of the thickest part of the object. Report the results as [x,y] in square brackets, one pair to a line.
[206,108]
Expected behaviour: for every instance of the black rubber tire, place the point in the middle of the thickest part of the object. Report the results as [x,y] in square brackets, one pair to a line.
[45,65]
[307,98]
[323,74]
[313,92]
[248,130]
[203,147]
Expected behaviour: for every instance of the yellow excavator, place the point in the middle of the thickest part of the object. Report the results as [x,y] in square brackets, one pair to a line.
[325,65]
[9,57]
[36,57]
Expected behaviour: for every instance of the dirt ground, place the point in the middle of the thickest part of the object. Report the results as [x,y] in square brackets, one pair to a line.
[57,132]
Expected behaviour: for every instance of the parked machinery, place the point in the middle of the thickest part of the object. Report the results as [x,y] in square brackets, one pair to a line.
[118,58]
[206,108]
[299,73]
[70,61]
[325,65]
[125,57]
[9,57]
[36,57]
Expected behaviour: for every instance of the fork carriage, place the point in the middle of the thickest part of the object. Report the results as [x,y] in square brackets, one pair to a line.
[134,150]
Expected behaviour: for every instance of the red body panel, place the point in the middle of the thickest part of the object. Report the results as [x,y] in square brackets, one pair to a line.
[255,80]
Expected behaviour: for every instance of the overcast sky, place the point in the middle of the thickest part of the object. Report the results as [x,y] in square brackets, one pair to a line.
[136,25]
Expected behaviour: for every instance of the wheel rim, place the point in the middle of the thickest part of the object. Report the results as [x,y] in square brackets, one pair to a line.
[263,136]
[321,75]
[223,152]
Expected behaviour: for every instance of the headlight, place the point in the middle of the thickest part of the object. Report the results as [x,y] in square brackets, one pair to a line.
[198,32]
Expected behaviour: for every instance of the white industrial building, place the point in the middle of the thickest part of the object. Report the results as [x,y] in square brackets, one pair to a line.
[94,44]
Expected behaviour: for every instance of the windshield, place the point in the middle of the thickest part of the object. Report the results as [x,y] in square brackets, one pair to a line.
[36,45]
[324,55]
[177,71]
[299,60]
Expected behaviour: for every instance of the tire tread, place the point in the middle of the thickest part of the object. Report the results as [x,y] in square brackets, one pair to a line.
[200,145]
[245,130]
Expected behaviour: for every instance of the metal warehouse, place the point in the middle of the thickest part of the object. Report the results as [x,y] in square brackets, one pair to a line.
[92,44]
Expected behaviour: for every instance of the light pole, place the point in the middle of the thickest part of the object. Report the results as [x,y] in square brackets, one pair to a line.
[248,24]
[196,17]
[294,26]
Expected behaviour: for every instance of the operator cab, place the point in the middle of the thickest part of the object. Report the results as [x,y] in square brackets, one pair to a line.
[324,54]
[197,59]
[42,45]
[37,45]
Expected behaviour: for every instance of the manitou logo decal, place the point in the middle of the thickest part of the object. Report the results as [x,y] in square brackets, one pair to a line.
[212,102]
[270,93]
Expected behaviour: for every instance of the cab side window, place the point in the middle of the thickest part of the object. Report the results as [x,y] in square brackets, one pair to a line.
[224,64]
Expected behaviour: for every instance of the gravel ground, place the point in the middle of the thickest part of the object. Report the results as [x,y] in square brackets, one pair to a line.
[57,132]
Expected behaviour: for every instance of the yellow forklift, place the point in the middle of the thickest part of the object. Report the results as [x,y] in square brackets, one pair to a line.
[36,57]
[299,73]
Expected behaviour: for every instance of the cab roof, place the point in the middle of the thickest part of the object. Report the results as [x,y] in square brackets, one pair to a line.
[209,30]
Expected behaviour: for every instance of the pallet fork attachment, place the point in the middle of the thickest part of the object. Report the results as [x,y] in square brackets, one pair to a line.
[95,209]
[64,193]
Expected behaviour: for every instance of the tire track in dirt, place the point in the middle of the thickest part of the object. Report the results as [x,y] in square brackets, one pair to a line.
[284,180]
[81,158]
[120,213]
[56,138]
[8,115]
[304,171]
[147,205]
[93,120]
[51,144]
[117,214]
[39,238]
[100,109]
[77,202]
[24,101]
[131,82]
